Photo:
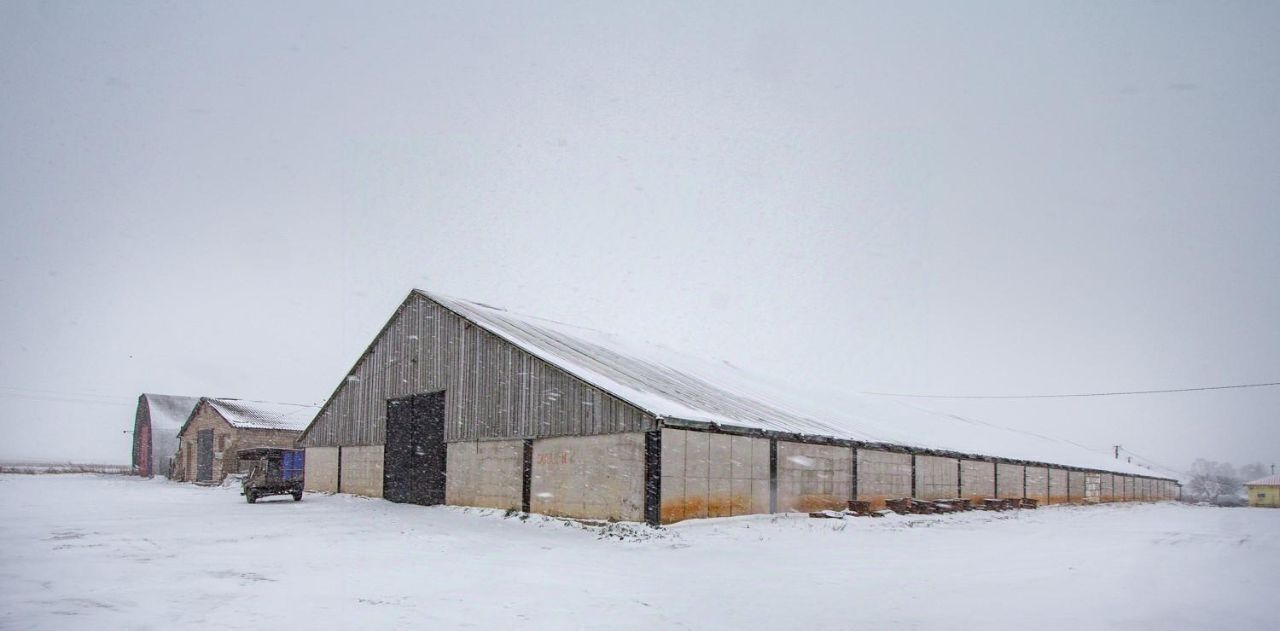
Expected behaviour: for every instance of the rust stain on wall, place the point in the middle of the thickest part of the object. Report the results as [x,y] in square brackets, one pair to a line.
[810,503]
[674,510]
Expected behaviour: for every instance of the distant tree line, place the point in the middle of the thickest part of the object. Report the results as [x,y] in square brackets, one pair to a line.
[1222,482]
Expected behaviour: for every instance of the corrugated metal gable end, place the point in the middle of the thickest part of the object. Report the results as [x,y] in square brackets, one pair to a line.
[495,389]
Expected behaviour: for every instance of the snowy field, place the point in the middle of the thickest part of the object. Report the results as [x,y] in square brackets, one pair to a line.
[107,552]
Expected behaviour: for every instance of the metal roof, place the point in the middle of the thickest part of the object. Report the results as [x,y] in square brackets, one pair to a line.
[264,414]
[167,411]
[1271,480]
[677,388]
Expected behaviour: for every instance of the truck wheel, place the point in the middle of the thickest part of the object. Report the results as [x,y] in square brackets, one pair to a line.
[297,497]
[250,497]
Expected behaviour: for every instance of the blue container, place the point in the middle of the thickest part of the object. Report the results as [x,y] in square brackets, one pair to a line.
[292,464]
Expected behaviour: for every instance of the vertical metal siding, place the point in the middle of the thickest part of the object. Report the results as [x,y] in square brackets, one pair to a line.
[494,389]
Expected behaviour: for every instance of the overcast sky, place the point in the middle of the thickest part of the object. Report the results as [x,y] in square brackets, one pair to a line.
[229,199]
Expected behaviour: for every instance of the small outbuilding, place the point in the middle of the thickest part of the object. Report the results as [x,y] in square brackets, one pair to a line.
[217,428]
[1264,491]
[155,431]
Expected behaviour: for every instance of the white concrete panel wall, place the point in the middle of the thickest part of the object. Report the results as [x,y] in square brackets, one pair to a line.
[713,475]
[1076,486]
[814,477]
[589,477]
[1092,487]
[937,478]
[362,470]
[1106,491]
[320,469]
[1010,482]
[488,474]
[978,479]
[1038,484]
[1057,486]
[883,475]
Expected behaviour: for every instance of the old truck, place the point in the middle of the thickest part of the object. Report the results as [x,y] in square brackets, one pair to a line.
[271,471]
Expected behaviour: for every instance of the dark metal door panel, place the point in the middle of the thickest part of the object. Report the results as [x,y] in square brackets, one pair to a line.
[204,455]
[414,466]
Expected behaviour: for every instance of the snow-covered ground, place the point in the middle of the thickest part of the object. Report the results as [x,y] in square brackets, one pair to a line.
[109,552]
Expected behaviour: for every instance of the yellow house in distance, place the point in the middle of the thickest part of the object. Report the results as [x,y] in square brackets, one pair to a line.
[1264,491]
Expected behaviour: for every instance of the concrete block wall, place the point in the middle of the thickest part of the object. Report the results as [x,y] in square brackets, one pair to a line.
[937,478]
[1009,480]
[488,474]
[591,477]
[977,479]
[883,475]
[1038,484]
[320,469]
[1092,487]
[1076,486]
[706,474]
[814,477]
[713,475]
[1057,486]
[362,470]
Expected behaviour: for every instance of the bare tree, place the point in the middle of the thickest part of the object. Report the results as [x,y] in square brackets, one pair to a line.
[1253,471]
[1212,480]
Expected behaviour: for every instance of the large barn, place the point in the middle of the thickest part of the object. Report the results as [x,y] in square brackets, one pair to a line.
[155,431]
[461,403]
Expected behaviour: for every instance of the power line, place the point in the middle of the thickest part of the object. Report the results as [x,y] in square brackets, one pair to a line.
[1153,463]
[62,393]
[1073,395]
[57,399]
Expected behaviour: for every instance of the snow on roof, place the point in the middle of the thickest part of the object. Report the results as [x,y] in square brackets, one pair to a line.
[168,411]
[675,387]
[1271,480]
[264,414]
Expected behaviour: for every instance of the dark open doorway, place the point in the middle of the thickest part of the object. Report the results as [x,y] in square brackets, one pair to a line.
[204,455]
[414,466]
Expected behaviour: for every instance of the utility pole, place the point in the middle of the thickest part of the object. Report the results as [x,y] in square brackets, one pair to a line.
[1117,449]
